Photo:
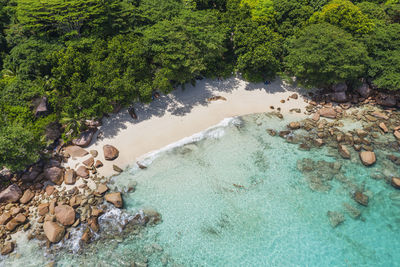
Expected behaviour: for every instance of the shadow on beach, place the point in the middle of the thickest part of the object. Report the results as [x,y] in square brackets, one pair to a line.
[182,100]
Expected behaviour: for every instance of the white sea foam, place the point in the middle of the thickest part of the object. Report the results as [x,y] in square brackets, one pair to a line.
[216,132]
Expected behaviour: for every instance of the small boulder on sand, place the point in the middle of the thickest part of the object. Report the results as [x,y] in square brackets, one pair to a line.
[110,152]
[115,199]
[70,177]
[89,162]
[368,158]
[83,172]
[98,164]
[11,194]
[65,215]
[53,231]
[27,196]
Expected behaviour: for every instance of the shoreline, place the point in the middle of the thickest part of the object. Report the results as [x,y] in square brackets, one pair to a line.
[184,113]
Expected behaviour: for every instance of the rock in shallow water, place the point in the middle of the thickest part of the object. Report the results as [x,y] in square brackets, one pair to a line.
[335,218]
[7,248]
[53,231]
[115,199]
[368,158]
[396,182]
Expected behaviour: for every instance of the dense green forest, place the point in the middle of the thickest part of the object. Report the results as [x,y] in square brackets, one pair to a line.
[66,61]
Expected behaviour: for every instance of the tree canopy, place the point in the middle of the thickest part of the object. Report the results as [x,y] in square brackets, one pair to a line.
[88,57]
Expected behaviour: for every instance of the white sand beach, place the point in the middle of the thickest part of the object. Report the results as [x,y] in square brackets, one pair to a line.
[183,113]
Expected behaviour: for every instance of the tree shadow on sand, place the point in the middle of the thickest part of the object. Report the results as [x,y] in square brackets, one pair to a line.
[182,100]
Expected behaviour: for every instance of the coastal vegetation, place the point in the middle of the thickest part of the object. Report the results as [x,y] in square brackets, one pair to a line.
[64,62]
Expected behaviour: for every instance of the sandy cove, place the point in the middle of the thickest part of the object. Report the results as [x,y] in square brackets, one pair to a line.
[183,113]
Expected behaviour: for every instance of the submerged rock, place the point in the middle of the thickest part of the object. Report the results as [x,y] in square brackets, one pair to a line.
[361,198]
[335,218]
[352,211]
[344,152]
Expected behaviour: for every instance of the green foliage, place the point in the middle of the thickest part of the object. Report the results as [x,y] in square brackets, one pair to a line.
[31,58]
[184,47]
[344,14]
[64,17]
[384,49]
[18,146]
[90,56]
[261,10]
[258,49]
[324,55]
[292,15]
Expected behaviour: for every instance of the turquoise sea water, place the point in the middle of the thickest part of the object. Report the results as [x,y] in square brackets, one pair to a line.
[238,198]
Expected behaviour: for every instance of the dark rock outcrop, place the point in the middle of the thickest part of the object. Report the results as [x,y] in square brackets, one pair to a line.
[11,194]
[41,107]
[85,138]
[54,174]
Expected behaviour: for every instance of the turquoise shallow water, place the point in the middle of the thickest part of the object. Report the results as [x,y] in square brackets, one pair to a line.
[237,198]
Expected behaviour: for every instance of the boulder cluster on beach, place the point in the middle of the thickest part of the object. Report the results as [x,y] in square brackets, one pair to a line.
[38,202]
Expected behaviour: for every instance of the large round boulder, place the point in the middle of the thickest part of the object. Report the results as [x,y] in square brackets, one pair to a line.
[110,152]
[11,194]
[53,231]
[368,158]
[65,215]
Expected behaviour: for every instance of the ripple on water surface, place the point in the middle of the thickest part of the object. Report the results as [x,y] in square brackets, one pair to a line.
[239,199]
